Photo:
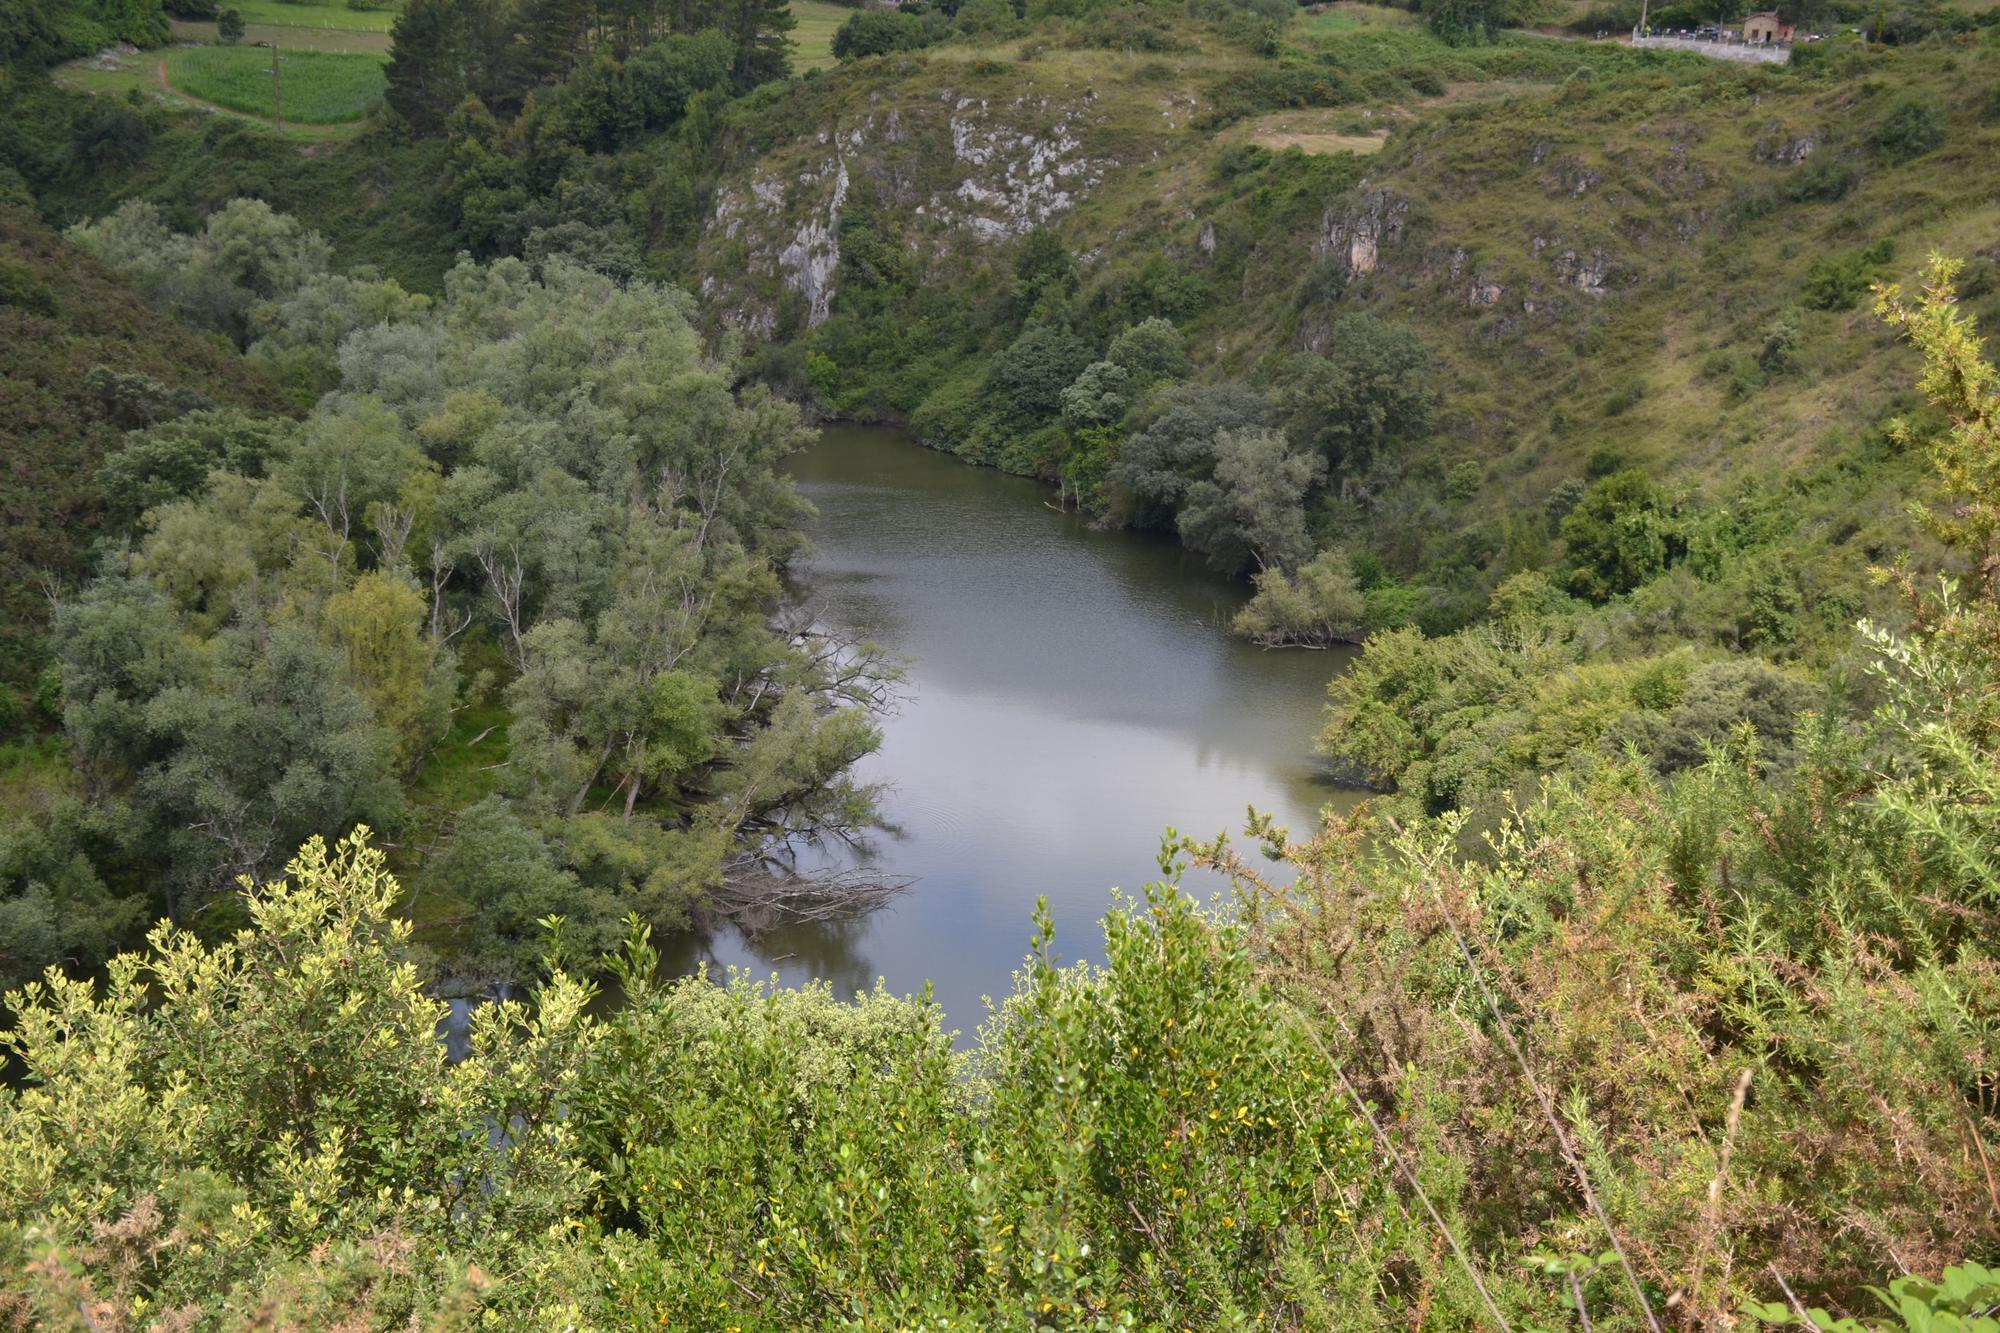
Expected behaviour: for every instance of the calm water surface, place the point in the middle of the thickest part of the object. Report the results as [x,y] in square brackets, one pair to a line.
[1070,694]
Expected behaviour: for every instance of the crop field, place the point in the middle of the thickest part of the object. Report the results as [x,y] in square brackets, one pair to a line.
[318,87]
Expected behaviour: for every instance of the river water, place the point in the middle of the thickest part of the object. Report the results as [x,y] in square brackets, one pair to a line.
[1069,695]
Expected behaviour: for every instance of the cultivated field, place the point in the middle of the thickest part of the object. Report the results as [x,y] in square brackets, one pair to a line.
[318,87]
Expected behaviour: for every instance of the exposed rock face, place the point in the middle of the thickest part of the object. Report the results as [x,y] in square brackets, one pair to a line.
[1019,181]
[1354,237]
[1786,152]
[1585,273]
[810,260]
[1000,181]
[1572,178]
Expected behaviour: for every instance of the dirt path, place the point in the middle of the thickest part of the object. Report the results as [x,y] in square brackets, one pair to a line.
[166,86]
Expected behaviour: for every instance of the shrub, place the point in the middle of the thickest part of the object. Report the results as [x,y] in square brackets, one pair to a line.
[1321,604]
[1839,282]
[1621,534]
[1823,179]
[1915,125]
[877,32]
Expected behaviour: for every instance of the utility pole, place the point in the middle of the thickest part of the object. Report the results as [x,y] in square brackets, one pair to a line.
[277,91]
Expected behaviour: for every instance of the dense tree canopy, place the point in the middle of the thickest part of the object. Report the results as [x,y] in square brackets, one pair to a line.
[546,469]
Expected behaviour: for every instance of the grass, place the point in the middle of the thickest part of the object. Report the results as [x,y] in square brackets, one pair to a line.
[288,37]
[318,87]
[1512,159]
[139,74]
[1350,17]
[278,14]
[813,38]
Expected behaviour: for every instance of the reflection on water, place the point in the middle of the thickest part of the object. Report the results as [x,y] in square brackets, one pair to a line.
[1071,694]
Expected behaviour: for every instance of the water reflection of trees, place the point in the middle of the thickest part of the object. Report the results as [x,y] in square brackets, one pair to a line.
[831,950]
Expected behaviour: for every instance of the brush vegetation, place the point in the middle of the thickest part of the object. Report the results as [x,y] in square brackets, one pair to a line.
[399,481]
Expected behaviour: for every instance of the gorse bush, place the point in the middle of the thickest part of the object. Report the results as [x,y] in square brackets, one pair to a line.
[274,1121]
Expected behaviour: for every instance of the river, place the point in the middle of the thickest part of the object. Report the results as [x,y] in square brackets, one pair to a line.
[1070,693]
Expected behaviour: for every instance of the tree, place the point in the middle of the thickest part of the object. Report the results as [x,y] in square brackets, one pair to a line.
[1912,126]
[407,679]
[1370,392]
[1025,385]
[1475,22]
[229,26]
[877,32]
[1098,397]
[172,461]
[1621,534]
[1321,604]
[1151,351]
[1177,448]
[271,747]
[55,906]
[1045,276]
[666,74]
[246,253]
[441,53]
[759,29]
[119,645]
[1252,508]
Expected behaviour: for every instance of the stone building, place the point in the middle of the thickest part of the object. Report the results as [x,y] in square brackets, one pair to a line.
[1765,27]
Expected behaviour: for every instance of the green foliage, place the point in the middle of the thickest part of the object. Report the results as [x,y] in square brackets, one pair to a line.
[1368,394]
[1321,604]
[877,32]
[641,65]
[270,660]
[1839,282]
[172,460]
[1177,448]
[317,87]
[1025,386]
[34,33]
[245,253]
[1100,395]
[1959,380]
[1912,126]
[1624,532]
[1152,350]
[1474,22]
[1250,509]
[279,1090]
[81,362]
[1140,1144]
[1964,1300]
[54,902]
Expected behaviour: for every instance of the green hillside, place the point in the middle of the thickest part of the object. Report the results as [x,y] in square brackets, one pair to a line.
[1615,259]
[407,595]
[82,360]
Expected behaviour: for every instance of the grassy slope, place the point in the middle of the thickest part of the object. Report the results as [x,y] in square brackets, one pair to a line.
[61,314]
[1663,168]
[373,196]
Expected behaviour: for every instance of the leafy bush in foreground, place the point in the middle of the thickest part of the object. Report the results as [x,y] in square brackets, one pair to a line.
[274,1127]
